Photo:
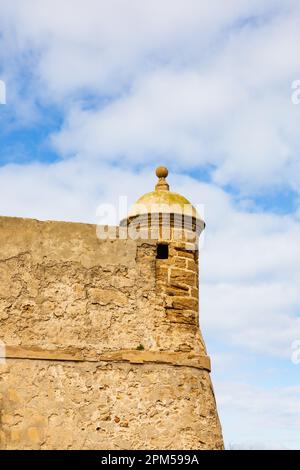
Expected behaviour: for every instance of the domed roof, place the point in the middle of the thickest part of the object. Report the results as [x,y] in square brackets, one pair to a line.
[162,200]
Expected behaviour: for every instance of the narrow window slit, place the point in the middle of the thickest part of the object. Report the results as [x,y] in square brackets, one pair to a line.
[162,251]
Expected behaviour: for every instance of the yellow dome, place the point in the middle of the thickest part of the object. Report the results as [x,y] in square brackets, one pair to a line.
[163,201]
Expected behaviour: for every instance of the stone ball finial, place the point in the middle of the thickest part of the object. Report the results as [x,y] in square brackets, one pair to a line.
[162,172]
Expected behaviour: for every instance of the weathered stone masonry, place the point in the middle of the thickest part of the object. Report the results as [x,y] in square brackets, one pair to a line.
[102,342]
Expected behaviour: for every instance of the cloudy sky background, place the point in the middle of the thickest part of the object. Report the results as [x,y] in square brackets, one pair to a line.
[101,91]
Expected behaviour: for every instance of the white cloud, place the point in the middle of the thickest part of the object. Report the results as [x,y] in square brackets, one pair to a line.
[263,418]
[192,82]
[98,44]
[232,110]
[259,317]
[249,291]
[163,116]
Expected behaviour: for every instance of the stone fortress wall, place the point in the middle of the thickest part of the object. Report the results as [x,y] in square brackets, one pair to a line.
[103,347]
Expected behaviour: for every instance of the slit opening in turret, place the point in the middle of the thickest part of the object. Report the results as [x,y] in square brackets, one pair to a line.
[162,251]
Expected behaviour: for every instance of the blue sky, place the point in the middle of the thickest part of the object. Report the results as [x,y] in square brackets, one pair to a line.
[99,93]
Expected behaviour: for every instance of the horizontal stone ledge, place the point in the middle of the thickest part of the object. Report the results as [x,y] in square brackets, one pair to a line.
[132,356]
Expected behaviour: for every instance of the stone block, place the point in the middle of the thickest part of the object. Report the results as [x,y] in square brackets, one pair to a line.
[182,276]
